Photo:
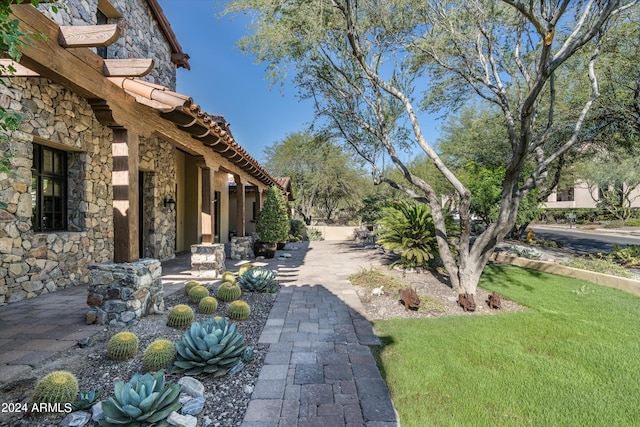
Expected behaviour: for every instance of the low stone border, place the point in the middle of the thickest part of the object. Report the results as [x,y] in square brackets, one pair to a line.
[628,285]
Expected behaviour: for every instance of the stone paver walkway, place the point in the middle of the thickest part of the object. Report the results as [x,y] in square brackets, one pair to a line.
[319,370]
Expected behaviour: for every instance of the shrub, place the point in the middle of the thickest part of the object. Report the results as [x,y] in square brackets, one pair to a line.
[143,401]
[211,347]
[197,293]
[56,387]
[272,224]
[160,354]
[180,316]
[208,305]
[229,291]
[296,229]
[314,234]
[629,256]
[407,228]
[122,346]
[238,310]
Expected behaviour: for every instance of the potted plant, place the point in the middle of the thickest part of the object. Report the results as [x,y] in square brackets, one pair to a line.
[272,225]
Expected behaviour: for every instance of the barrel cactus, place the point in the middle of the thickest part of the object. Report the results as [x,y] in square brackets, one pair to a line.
[238,310]
[143,401]
[197,293]
[190,285]
[244,268]
[122,346]
[228,276]
[56,387]
[180,316]
[229,291]
[212,346]
[159,355]
[208,305]
[258,279]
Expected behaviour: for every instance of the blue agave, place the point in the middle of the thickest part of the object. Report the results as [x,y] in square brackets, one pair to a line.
[143,401]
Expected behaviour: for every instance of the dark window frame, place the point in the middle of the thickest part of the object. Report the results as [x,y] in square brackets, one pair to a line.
[49,211]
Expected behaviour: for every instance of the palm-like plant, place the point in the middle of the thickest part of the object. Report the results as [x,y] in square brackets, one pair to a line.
[408,229]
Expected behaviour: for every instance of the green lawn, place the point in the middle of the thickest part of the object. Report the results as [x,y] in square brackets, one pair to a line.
[572,359]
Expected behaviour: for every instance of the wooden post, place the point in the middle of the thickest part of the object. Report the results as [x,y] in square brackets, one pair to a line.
[240,204]
[206,212]
[125,195]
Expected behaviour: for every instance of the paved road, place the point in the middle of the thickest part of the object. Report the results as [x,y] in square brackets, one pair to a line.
[585,242]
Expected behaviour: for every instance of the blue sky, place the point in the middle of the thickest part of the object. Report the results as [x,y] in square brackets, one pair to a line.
[222,80]
[225,81]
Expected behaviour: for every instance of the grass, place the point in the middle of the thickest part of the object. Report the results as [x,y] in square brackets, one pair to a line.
[571,360]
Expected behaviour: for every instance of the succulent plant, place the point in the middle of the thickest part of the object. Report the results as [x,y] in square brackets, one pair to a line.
[143,401]
[190,285]
[208,305]
[229,291]
[258,279]
[180,316]
[238,310]
[228,276]
[86,399]
[244,268]
[160,354]
[197,293]
[212,346]
[122,346]
[56,387]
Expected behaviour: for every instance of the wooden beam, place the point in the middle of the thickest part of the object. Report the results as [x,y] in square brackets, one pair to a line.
[128,67]
[20,70]
[88,35]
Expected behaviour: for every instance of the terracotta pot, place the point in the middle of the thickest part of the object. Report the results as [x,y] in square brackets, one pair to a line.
[267,250]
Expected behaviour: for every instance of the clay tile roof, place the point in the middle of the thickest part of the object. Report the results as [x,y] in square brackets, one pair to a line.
[212,130]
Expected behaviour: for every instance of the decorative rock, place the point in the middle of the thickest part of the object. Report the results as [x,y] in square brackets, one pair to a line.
[248,388]
[82,343]
[96,411]
[191,386]
[236,369]
[76,419]
[193,406]
[178,420]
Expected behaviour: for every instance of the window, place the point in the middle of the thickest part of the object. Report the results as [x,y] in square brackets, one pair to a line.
[49,189]
[566,195]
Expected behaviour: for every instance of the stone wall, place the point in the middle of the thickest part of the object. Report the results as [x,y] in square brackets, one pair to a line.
[157,163]
[120,294]
[242,247]
[140,36]
[35,263]
[207,260]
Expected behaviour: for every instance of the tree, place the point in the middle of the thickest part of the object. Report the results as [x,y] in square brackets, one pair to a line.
[616,177]
[323,176]
[272,225]
[363,63]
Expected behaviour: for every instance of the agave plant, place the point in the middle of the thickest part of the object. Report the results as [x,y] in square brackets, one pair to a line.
[86,399]
[143,401]
[258,279]
[212,346]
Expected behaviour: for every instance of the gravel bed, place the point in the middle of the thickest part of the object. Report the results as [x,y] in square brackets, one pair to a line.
[227,397]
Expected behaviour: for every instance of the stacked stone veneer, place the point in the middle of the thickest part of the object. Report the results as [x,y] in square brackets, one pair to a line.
[242,247]
[207,260]
[120,294]
[140,36]
[35,263]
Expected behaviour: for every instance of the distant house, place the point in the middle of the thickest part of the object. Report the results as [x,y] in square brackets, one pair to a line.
[581,196]
[109,163]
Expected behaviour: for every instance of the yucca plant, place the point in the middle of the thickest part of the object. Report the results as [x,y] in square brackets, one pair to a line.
[258,279]
[408,229]
[212,346]
[143,401]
